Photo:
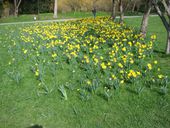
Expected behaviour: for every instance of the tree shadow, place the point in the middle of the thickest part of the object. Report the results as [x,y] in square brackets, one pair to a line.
[35,126]
[159,52]
[102,96]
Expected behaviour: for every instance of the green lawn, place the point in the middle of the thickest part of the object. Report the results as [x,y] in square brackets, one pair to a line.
[49,16]
[21,107]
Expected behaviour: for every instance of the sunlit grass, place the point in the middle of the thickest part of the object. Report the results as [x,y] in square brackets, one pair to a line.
[21,106]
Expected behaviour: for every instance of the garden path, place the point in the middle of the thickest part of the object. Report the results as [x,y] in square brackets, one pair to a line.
[58,20]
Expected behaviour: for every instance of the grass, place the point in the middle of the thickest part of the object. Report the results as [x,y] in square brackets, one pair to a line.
[49,16]
[160,46]
[21,107]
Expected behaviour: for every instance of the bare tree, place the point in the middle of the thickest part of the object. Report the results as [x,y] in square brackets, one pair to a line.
[113,14]
[55,9]
[75,5]
[144,24]
[16,6]
[121,11]
[134,5]
[166,22]
[5,8]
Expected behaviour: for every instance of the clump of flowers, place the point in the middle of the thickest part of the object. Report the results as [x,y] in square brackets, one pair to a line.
[101,50]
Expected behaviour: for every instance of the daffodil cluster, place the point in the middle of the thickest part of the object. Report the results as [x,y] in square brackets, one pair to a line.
[101,49]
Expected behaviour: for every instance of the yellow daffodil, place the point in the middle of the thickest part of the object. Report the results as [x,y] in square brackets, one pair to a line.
[120,65]
[54,55]
[149,66]
[124,49]
[160,76]
[37,72]
[155,62]
[122,81]
[113,77]
[88,82]
[103,65]
[153,37]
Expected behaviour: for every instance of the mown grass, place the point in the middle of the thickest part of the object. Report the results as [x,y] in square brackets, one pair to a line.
[156,27]
[21,107]
[49,16]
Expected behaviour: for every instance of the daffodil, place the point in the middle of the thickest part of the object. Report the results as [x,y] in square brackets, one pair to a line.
[160,76]
[54,55]
[130,43]
[113,77]
[120,65]
[88,82]
[122,81]
[155,62]
[153,37]
[96,60]
[37,73]
[124,49]
[149,66]
[103,65]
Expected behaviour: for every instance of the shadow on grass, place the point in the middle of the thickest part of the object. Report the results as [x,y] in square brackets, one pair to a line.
[162,54]
[159,52]
[35,126]
[102,96]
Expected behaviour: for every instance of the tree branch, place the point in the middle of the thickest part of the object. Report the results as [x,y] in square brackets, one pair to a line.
[18,3]
[167,26]
[166,6]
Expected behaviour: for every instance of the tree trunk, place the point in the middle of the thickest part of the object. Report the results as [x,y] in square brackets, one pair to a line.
[55,9]
[144,24]
[38,11]
[168,43]
[16,12]
[121,11]
[165,23]
[16,7]
[113,14]
[6,8]
[160,14]
[167,7]
[75,10]
[134,5]
[127,6]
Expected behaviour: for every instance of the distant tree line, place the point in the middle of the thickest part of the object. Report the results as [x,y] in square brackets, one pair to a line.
[8,7]
[161,7]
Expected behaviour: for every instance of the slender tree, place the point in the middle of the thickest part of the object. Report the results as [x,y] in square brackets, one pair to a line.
[113,14]
[166,22]
[55,9]
[121,11]
[16,6]
[144,24]
[134,5]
